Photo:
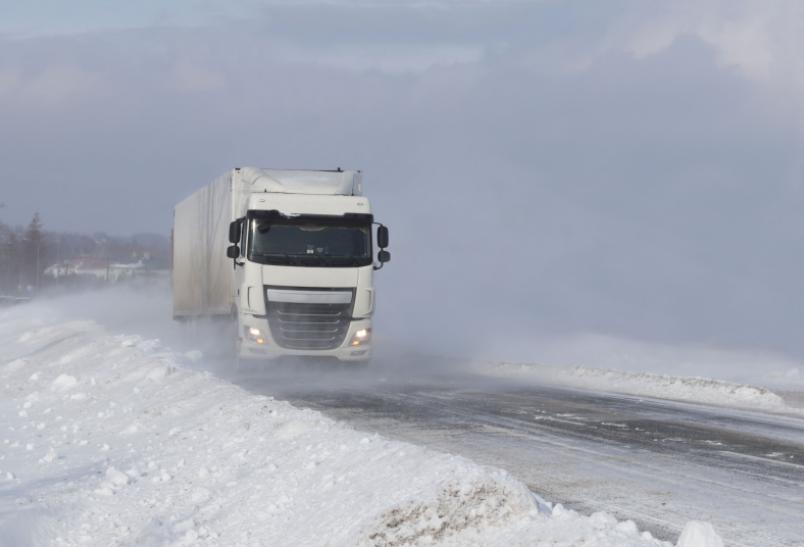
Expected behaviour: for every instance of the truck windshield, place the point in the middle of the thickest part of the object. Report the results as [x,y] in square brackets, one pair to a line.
[310,241]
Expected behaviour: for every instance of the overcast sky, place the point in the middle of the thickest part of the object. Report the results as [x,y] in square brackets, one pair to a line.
[631,168]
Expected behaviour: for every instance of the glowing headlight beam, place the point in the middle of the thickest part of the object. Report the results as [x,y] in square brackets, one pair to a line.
[360,336]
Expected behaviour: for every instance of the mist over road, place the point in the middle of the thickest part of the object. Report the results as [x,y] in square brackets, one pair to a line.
[657,462]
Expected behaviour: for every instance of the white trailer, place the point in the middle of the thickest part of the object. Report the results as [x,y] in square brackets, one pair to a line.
[288,254]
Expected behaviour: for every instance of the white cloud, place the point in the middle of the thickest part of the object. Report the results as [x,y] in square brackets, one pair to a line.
[392,59]
[57,85]
[745,44]
[190,77]
[762,40]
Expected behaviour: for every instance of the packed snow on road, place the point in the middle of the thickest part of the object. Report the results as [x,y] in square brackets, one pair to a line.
[109,439]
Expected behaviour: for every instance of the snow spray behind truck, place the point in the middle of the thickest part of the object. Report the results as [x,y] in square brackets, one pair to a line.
[288,253]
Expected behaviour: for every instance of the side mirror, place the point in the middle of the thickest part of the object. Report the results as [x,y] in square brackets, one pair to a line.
[233,251]
[384,256]
[382,237]
[234,231]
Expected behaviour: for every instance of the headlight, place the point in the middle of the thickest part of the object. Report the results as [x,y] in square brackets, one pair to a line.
[254,334]
[360,337]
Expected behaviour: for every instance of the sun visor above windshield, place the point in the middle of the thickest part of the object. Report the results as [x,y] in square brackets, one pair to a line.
[331,183]
[290,205]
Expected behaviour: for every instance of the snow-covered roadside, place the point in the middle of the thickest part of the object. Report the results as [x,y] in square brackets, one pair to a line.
[106,440]
[646,384]
[752,379]
[755,367]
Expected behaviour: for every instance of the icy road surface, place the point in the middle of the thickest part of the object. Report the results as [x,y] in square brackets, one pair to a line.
[658,462]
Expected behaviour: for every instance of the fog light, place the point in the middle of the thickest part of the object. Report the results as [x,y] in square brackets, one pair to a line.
[360,337]
[254,334]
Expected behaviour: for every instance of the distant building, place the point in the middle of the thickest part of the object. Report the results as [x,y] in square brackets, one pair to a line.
[95,268]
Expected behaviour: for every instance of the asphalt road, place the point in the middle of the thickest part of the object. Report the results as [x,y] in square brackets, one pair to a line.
[656,462]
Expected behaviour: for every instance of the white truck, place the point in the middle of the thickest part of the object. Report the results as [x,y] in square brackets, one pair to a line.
[288,254]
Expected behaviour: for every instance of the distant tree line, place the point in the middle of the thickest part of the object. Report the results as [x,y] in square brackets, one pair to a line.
[22,255]
[25,252]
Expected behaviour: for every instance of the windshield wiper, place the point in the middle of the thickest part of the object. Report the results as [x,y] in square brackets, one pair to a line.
[305,259]
[272,257]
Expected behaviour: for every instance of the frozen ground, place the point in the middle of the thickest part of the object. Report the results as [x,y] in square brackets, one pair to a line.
[743,366]
[590,354]
[108,440]
[657,462]
[114,431]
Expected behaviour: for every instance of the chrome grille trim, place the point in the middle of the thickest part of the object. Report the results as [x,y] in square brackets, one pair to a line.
[309,297]
[309,319]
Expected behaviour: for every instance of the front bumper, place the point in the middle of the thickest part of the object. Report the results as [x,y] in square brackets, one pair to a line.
[269,349]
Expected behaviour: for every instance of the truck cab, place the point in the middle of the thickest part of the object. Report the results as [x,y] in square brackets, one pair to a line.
[303,274]
[291,254]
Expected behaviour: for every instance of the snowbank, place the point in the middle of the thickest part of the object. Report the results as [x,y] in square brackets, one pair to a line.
[662,386]
[107,441]
[739,366]
[699,534]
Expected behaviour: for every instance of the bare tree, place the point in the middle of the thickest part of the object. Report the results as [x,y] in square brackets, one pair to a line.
[34,251]
[9,258]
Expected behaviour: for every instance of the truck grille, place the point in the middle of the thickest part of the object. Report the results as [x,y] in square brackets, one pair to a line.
[296,325]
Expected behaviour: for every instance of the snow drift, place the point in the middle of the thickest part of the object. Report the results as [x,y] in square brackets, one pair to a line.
[663,386]
[107,440]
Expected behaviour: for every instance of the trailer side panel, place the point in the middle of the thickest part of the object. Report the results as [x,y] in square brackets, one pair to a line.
[203,279]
